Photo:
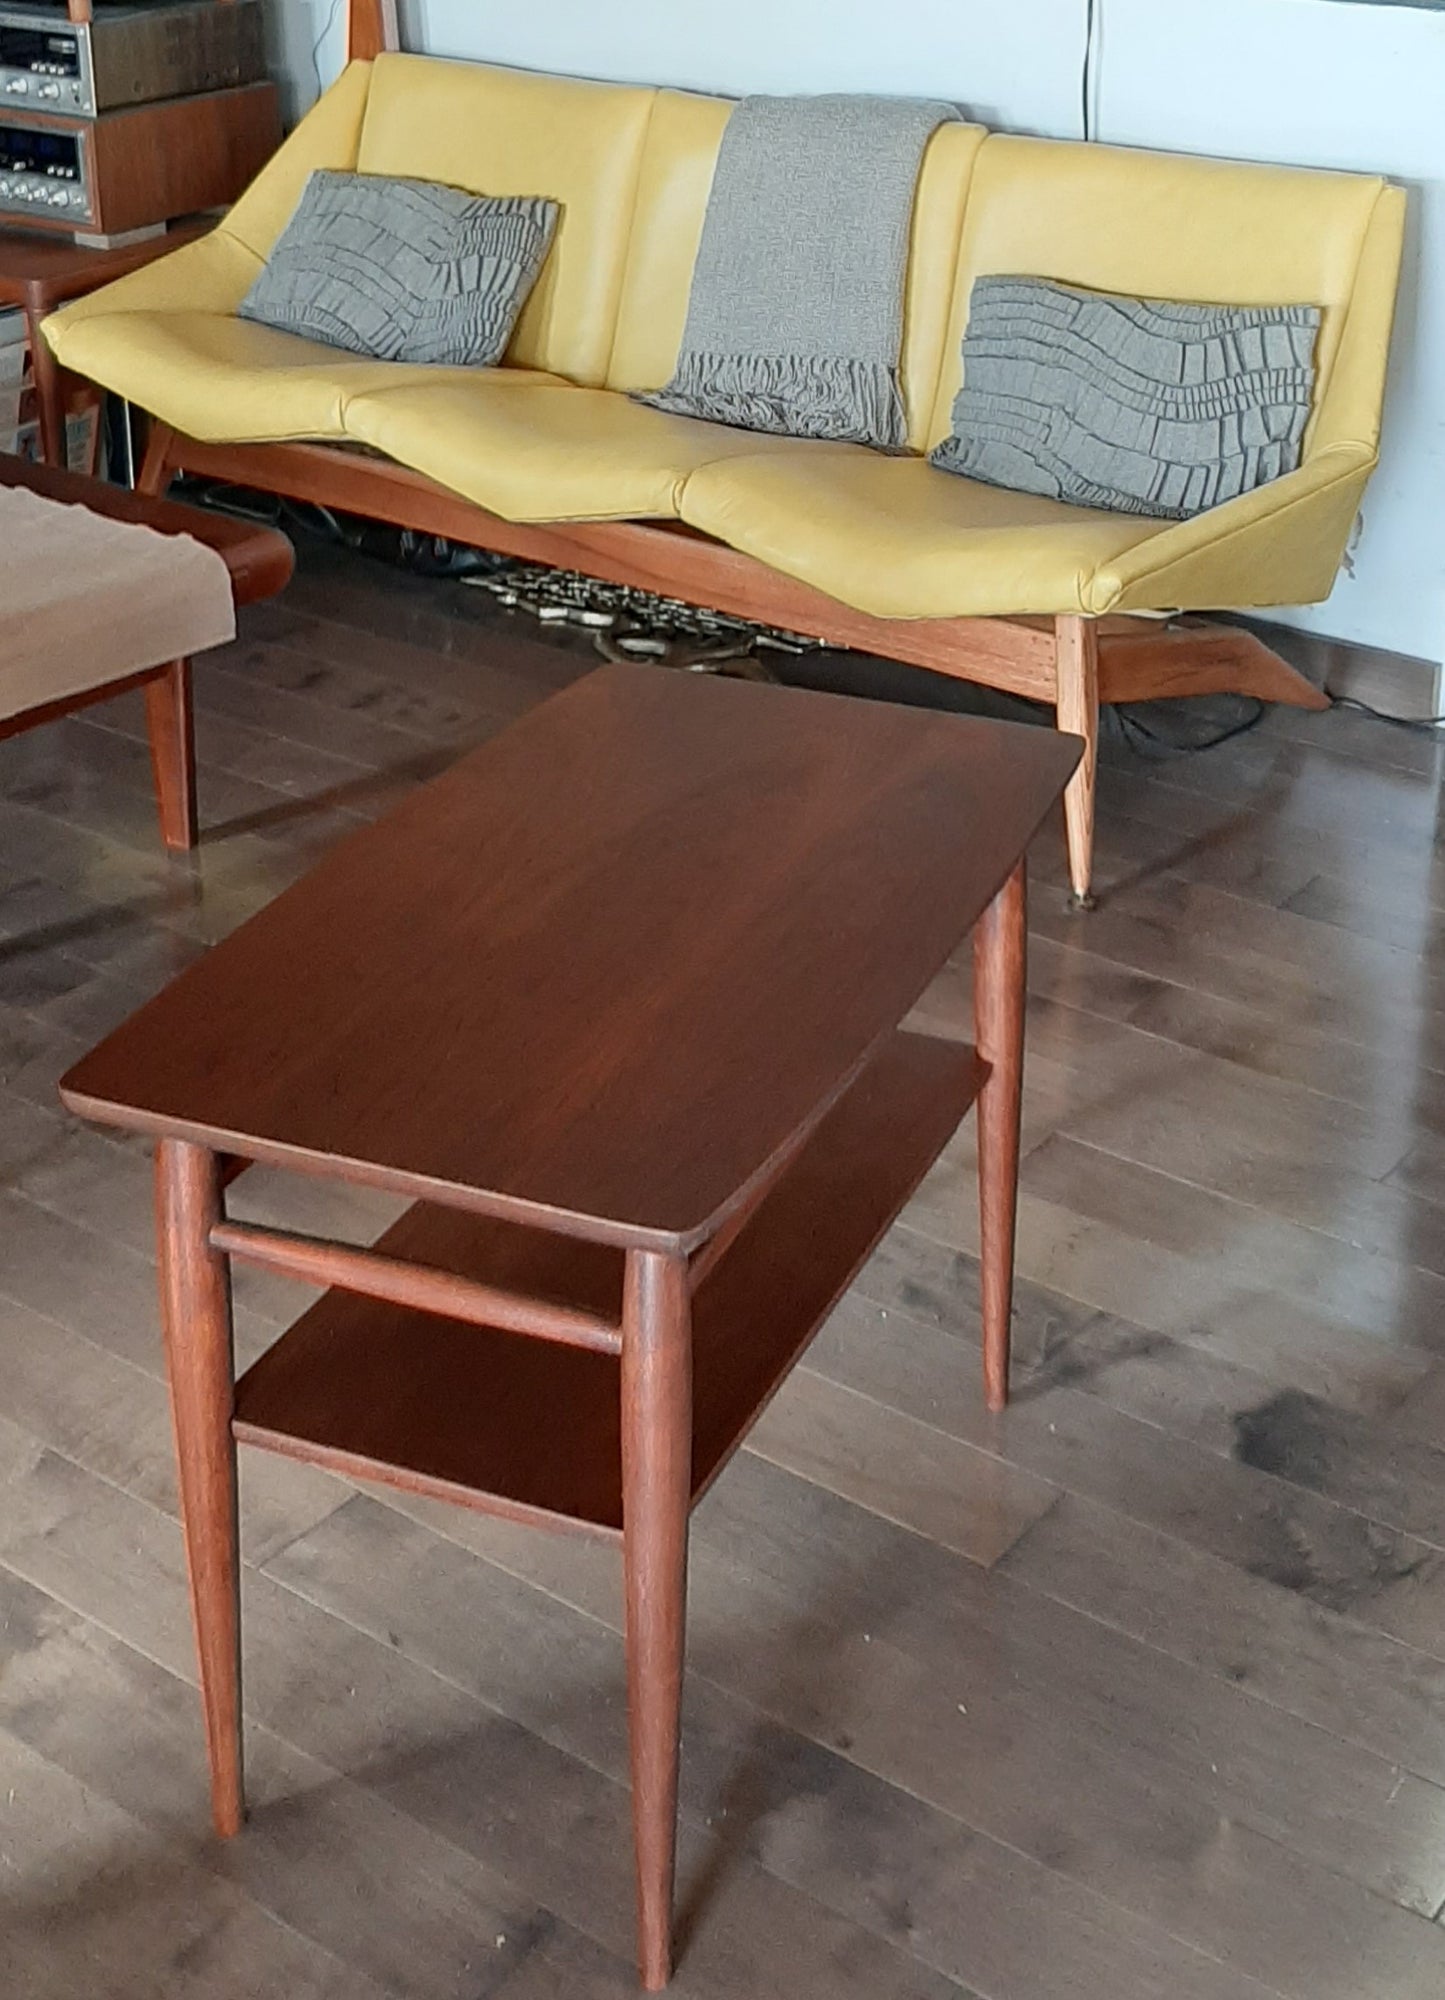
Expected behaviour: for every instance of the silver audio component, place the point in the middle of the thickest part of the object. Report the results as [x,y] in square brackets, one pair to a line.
[129,54]
[43,172]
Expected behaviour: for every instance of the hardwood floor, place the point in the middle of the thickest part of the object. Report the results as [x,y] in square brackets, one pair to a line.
[1135,1691]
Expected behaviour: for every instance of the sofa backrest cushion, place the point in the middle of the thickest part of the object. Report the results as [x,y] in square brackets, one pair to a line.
[678,161]
[673,187]
[329,136]
[509,132]
[1163,226]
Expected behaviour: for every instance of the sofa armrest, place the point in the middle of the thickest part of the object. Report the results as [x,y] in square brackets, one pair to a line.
[211,275]
[1281,544]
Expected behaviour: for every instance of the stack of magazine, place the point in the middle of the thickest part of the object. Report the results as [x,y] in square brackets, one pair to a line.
[19,426]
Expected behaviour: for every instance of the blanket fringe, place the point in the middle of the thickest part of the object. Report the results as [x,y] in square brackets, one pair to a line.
[790,395]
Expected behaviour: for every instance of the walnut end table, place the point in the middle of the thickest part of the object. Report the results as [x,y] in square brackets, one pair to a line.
[39,273]
[616,1002]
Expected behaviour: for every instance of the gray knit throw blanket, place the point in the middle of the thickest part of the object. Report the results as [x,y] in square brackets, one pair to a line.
[795,322]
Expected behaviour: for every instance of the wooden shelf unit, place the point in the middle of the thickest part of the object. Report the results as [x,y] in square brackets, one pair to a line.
[531,1428]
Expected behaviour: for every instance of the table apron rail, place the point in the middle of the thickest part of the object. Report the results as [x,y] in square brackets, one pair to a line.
[317,1261]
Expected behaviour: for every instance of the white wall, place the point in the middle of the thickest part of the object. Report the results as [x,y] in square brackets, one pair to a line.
[1313,82]
[1335,86]
[1014,63]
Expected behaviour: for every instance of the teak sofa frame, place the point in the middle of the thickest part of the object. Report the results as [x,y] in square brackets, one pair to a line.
[1071,663]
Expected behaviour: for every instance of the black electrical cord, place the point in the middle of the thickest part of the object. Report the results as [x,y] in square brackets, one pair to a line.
[1146,739]
[316,46]
[1423,722]
[1091,43]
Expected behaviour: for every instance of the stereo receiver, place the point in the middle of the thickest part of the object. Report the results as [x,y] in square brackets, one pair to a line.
[135,169]
[127,54]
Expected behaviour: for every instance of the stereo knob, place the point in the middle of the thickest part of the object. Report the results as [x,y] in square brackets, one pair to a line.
[19,86]
[60,199]
[49,90]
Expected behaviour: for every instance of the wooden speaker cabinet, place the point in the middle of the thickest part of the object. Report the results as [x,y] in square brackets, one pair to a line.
[136,168]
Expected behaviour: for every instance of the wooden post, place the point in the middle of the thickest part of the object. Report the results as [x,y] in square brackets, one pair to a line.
[196,1316]
[371,29]
[1076,665]
[656,1498]
[170,725]
[155,472]
[999,988]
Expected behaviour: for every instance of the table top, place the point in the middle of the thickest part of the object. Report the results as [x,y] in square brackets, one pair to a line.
[602,974]
[259,558]
[44,271]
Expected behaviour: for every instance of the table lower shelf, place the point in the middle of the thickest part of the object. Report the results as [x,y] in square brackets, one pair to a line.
[526,1427]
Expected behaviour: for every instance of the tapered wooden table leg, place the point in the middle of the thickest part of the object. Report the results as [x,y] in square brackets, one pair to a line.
[196,1310]
[999,982]
[656,1495]
[171,727]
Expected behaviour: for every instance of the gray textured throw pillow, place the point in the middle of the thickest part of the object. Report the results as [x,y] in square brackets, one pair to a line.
[1134,405]
[403,270]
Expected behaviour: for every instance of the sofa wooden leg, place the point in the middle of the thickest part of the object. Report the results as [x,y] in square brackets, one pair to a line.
[1076,666]
[155,472]
[171,728]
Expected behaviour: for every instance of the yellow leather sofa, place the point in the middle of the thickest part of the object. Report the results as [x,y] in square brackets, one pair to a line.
[547,456]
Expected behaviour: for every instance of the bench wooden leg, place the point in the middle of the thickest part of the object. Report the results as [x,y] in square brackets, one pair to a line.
[999,990]
[1076,664]
[196,1317]
[656,1497]
[171,726]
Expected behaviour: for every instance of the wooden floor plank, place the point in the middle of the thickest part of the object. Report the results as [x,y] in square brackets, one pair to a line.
[437,1752]
[330,1859]
[786,1635]
[1316,1664]
[1156,1472]
[918,1863]
[134,1908]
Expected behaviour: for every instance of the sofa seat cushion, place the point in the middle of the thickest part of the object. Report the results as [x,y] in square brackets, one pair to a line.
[544,453]
[227,380]
[896,538]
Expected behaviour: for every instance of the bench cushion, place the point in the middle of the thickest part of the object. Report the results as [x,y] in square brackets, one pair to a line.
[895,537]
[539,453]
